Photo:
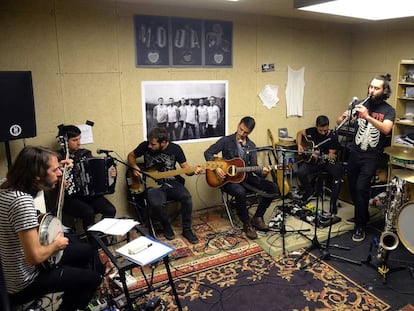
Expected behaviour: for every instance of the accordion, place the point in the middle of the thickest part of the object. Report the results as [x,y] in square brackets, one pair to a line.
[91,177]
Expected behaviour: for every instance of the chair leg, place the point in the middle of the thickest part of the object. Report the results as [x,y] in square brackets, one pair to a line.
[150,224]
[225,198]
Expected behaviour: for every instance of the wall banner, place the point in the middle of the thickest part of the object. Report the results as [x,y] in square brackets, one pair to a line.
[163,41]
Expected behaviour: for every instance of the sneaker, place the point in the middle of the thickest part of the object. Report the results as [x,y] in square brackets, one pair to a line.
[249,230]
[359,235]
[350,221]
[169,233]
[190,236]
[259,224]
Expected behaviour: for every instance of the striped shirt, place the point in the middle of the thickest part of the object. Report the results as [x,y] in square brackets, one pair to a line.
[17,213]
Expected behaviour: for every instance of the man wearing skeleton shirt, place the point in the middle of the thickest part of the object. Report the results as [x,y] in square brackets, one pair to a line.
[374,121]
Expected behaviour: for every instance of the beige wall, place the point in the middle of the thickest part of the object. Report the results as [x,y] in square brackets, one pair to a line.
[81,54]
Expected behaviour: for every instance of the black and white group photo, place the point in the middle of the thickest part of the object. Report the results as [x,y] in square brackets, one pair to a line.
[189,110]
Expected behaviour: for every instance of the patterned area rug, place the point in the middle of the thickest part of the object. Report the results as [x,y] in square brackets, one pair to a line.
[227,272]
[219,243]
[258,282]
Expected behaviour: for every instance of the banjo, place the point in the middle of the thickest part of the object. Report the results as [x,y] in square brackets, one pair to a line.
[49,225]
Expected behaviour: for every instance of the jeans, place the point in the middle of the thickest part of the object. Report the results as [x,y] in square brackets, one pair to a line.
[173,190]
[86,209]
[75,277]
[239,192]
[361,169]
[335,170]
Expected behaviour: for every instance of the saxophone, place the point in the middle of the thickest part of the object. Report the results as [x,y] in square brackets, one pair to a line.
[389,239]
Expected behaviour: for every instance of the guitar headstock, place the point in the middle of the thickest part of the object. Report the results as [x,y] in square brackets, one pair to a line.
[272,141]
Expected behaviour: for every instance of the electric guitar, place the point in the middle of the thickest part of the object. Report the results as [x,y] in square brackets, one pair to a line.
[282,183]
[310,150]
[136,185]
[235,170]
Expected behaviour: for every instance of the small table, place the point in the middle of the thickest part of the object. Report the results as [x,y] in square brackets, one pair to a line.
[125,264]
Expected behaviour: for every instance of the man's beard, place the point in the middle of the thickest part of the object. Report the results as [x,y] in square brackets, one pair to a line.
[155,152]
[377,99]
[48,185]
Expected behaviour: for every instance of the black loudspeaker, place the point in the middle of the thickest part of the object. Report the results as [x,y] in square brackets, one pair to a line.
[17,111]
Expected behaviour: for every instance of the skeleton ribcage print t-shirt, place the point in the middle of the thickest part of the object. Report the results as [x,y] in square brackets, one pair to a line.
[368,139]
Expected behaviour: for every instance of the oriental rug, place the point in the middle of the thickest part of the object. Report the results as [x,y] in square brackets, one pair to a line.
[225,271]
[259,282]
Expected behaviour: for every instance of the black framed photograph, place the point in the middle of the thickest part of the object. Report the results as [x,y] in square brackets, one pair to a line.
[189,110]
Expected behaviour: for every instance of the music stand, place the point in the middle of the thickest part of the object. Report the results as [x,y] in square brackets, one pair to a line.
[282,229]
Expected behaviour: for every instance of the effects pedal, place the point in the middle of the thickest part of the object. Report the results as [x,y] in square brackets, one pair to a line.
[97,304]
[120,301]
[130,280]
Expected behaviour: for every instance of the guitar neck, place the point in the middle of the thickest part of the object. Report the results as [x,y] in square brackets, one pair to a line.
[61,194]
[248,169]
[171,173]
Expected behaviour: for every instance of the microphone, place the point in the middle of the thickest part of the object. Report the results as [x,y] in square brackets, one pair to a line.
[245,148]
[353,102]
[99,151]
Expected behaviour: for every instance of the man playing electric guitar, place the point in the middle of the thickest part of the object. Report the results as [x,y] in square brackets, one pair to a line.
[238,145]
[319,160]
[162,155]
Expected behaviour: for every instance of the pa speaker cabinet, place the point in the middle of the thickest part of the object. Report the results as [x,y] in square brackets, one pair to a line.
[17,111]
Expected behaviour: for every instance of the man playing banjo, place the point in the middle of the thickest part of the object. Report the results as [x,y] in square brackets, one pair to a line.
[21,252]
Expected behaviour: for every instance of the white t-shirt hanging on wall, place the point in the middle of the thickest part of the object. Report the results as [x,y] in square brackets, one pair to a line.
[295,89]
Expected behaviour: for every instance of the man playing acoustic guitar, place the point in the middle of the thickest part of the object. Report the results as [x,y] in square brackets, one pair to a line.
[239,145]
[318,146]
[162,155]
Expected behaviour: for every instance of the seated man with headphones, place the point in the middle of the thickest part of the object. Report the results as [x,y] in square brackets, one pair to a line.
[162,155]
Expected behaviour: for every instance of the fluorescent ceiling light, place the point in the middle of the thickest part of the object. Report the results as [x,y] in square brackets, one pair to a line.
[365,9]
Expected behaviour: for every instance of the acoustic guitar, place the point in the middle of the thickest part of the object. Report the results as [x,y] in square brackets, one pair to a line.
[310,150]
[235,170]
[282,183]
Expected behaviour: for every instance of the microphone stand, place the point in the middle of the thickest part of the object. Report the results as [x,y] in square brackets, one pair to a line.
[324,249]
[137,170]
[282,229]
